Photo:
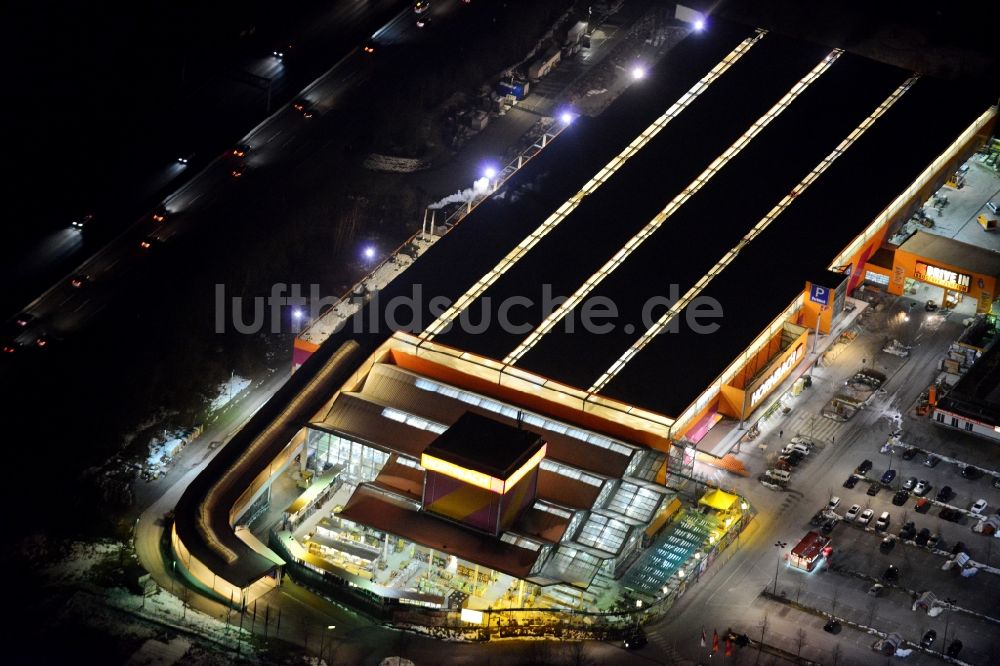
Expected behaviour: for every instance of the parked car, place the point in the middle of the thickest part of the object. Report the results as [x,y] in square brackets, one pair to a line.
[891,573]
[796,448]
[928,639]
[865,516]
[911,453]
[923,505]
[932,461]
[805,441]
[921,488]
[979,507]
[828,526]
[949,514]
[833,503]
[910,483]
[996,482]
[970,472]
[864,467]
[944,494]
[888,476]
[923,536]
[791,460]
[959,548]
[782,463]
[888,543]
[934,540]
[908,532]
[851,481]
[899,499]
[832,627]
[817,519]
[635,639]
[876,589]
[853,512]
[874,489]
[954,648]
[882,523]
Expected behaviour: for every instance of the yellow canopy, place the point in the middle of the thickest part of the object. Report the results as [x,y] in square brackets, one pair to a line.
[719,500]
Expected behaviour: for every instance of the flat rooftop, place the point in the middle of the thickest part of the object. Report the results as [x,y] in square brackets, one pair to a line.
[769,272]
[952,252]
[977,393]
[486,445]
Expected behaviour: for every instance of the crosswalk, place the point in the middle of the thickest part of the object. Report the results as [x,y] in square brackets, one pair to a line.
[814,426]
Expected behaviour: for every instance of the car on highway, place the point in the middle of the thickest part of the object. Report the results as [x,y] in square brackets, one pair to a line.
[923,505]
[308,112]
[239,170]
[160,214]
[424,20]
[282,50]
[81,222]
[241,150]
[911,453]
[149,242]
[24,319]
[979,507]
[900,497]
[865,516]
[882,522]
[368,47]
[79,281]
[932,460]
[833,503]
[185,158]
[921,488]
[970,472]
[944,494]
[853,512]
[888,476]
[851,481]
[888,543]
[421,6]
[910,483]
[873,489]
[928,639]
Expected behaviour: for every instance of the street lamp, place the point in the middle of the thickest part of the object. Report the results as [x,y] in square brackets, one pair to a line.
[780,545]
[490,172]
[944,639]
[638,72]
[638,605]
[369,252]
[699,25]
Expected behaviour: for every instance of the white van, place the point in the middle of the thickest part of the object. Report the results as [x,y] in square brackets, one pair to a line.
[779,475]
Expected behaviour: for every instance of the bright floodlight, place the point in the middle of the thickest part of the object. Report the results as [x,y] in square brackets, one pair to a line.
[638,72]
[369,252]
[490,172]
[297,313]
[699,25]
[566,117]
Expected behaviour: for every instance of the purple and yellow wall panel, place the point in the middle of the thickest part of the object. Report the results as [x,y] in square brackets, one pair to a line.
[449,497]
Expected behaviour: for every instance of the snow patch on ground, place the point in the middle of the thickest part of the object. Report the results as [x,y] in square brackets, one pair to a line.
[227,391]
[80,559]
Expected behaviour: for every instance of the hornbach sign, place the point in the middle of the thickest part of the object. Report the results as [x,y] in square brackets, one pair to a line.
[943,277]
[778,374]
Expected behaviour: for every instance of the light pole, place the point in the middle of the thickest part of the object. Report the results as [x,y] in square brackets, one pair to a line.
[638,605]
[780,545]
[944,639]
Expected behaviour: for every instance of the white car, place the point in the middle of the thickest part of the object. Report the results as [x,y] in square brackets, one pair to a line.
[800,448]
[883,521]
[921,487]
[865,516]
[852,513]
[805,441]
[978,507]
[834,502]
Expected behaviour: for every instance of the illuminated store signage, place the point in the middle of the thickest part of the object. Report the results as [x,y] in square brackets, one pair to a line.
[776,376]
[942,277]
[480,479]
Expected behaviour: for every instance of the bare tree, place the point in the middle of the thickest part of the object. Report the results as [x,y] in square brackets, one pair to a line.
[834,599]
[763,632]
[835,655]
[800,640]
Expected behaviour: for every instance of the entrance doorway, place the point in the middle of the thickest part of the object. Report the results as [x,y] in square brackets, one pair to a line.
[943,298]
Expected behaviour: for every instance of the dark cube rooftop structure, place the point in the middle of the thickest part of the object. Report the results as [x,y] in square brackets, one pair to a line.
[485,445]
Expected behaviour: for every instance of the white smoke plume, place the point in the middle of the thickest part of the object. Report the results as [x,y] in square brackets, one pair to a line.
[478,189]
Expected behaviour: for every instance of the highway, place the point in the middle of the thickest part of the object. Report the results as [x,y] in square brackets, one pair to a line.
[61,308]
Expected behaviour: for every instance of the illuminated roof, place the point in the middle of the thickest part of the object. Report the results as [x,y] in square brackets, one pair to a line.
[485,445]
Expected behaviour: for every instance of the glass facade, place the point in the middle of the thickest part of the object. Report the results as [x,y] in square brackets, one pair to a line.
[361,462]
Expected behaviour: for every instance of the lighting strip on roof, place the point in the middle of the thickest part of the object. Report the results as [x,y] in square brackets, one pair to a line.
[661,324]
[653,225]
[914,189]
[530,241]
